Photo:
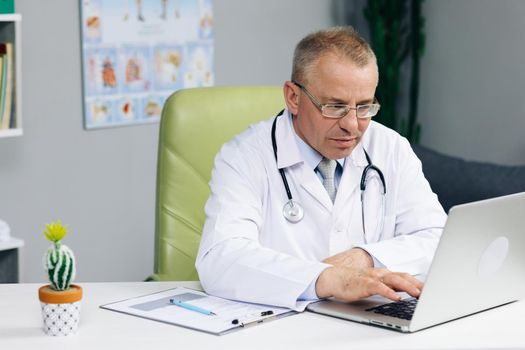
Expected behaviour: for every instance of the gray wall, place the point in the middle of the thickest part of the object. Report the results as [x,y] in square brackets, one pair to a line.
[102,183]
[472,79]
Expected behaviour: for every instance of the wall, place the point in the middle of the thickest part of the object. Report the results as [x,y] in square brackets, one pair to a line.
[102,183]
[255,39]
[472,77]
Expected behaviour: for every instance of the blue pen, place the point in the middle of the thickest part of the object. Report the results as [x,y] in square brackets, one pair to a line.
[191,307]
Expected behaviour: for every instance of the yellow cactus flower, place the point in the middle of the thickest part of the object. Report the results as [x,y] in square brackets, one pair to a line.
[55,231]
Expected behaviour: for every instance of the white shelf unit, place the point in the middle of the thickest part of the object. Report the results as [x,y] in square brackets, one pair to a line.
[9,260]
[10,31]
[12,243]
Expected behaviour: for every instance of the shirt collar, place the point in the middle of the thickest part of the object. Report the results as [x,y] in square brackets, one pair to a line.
[310,155]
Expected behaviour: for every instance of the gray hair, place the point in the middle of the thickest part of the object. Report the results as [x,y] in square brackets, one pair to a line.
[343,41]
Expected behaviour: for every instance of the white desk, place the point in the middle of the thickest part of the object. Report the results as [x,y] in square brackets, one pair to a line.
[20,327]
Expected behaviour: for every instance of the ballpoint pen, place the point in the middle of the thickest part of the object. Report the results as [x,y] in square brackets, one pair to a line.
[192,307]
[255,318]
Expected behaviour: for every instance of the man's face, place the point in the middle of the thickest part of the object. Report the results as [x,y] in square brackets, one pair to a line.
[332,79]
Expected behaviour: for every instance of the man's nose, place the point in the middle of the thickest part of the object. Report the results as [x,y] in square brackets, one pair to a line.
[349,122]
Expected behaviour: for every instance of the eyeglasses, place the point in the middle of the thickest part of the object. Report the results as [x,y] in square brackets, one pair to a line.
[338,110]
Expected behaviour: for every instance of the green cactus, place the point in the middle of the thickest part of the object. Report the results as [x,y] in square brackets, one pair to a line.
[59,261]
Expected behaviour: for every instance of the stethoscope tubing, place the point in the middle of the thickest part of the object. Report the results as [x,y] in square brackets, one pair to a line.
[281,170]
[293,211]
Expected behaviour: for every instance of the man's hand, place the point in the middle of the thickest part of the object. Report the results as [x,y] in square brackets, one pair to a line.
[356,258]
[350,284]
[353,277]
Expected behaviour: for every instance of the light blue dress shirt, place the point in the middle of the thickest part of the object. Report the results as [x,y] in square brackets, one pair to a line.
[312,159]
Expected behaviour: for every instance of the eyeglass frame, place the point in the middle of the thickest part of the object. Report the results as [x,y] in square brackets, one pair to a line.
[322,106]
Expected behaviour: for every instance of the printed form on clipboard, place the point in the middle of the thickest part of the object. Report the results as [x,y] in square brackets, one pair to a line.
[197,310]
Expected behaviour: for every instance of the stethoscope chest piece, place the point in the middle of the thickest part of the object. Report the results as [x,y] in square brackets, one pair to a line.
[293,211]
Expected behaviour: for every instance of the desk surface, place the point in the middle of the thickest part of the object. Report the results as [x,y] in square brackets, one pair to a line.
[21,327]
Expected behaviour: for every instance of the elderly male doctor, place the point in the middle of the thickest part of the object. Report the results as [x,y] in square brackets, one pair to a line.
[342,247]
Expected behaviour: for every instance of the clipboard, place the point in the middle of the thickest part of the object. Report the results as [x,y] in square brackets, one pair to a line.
[228,315]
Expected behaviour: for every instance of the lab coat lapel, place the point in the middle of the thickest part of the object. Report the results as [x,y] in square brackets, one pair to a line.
[288,154]
[310,182]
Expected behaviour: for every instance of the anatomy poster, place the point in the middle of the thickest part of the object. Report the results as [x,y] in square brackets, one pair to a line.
[135,53]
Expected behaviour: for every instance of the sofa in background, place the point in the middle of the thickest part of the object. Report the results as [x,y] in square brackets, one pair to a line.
[457,181]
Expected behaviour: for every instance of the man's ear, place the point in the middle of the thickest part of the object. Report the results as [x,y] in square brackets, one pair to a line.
[291,97]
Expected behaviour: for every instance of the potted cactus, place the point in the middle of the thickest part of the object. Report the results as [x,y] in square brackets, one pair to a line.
[60,300]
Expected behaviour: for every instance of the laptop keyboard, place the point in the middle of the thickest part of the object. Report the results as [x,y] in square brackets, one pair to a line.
[403,309]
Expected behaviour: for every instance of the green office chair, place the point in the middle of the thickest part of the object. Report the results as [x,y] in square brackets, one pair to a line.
[194,125]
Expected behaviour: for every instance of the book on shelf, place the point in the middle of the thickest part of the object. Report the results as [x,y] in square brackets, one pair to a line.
[6,85]
[7,6]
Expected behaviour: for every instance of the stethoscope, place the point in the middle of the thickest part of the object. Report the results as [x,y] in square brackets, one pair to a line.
[294,212]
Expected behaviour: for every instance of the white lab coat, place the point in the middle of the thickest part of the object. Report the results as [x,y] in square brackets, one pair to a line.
[250,252]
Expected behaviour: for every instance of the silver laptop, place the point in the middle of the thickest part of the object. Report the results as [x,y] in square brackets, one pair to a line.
[479,264]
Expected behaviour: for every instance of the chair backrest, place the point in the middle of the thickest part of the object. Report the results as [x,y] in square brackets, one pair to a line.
[194,125]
